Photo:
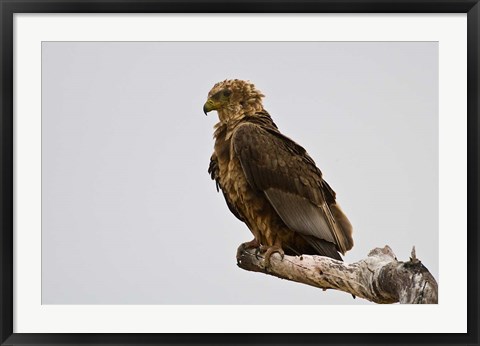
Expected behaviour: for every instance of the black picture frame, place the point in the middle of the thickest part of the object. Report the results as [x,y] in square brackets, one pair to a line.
[9,7]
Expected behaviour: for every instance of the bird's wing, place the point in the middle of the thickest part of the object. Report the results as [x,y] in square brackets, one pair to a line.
[292,183]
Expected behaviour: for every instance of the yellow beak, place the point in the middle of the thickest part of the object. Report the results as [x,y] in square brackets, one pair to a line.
[209,106]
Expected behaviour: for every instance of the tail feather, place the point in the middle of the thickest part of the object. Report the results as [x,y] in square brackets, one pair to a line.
[323,247]
[343,229]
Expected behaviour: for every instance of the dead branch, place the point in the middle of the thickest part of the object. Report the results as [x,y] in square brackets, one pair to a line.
[379,278]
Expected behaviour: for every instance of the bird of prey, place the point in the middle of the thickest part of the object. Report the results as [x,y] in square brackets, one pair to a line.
[270,182]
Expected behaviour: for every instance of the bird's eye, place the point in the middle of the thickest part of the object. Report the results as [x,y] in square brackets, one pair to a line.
[227,92]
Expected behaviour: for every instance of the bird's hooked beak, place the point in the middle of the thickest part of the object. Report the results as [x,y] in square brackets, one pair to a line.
[210,105]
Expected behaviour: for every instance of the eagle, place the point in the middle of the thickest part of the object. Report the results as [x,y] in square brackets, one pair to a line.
[270,182]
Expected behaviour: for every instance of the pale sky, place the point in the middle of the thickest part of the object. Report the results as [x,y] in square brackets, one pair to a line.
[129,213]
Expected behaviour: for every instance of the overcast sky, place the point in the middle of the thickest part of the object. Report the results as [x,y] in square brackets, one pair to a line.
[129,213]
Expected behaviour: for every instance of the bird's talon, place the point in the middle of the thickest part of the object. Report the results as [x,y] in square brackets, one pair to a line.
[270,251]
[245,246]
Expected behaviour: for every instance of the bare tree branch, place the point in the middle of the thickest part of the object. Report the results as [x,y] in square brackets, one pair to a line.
[379,278]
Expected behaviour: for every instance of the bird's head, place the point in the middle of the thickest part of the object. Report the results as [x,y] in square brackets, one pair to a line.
[233,99]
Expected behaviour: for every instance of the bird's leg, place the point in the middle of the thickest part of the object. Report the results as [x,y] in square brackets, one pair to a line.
[245,246]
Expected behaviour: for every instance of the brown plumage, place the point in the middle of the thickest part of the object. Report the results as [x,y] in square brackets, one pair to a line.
[270,182]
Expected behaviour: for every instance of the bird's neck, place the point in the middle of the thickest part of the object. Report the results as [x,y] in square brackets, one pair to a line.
[238,111]
[224,129]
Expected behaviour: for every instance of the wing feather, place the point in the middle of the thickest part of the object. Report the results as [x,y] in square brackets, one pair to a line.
[289,178]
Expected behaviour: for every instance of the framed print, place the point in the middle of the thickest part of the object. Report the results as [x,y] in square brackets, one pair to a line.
[121,216]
